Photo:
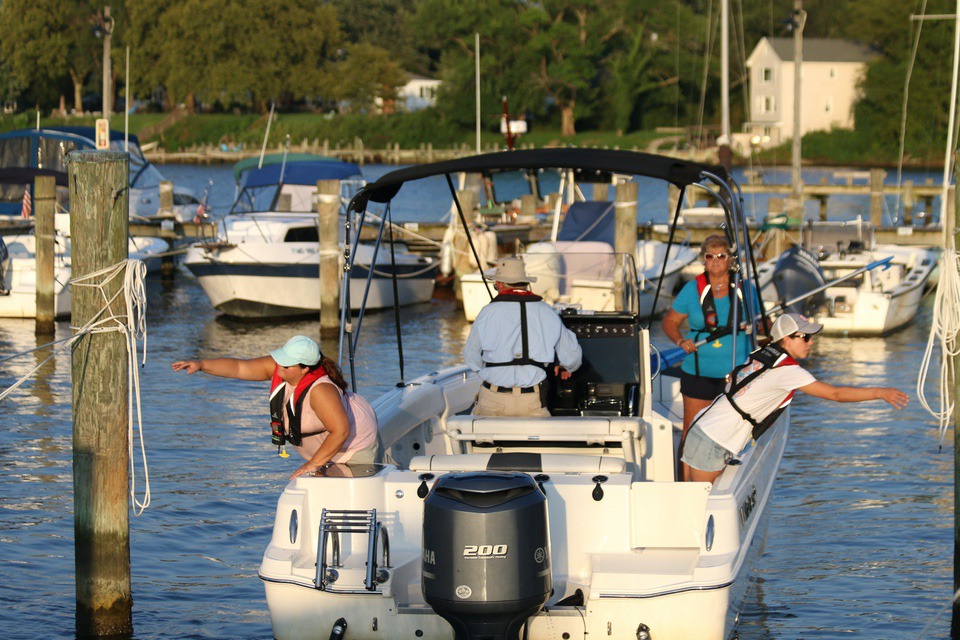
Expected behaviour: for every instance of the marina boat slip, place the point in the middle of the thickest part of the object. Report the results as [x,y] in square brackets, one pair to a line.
[265,262]
[876,302]
[571,525]
[47,148]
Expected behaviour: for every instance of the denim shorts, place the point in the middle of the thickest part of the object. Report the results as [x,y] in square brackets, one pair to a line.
[700,452]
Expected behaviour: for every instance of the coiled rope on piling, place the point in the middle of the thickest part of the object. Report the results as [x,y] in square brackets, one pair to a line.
[133,326]
[945,333]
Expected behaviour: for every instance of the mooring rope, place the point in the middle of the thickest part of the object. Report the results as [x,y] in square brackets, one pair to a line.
[945,332]
[133,326]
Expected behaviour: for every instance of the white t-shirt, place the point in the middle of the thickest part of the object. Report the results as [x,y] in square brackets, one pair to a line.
[721,422]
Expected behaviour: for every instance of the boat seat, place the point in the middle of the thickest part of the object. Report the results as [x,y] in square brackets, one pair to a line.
[530,462]
[589,430]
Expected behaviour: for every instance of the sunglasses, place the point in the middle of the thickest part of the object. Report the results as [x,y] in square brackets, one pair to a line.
[806,337]
[716,256]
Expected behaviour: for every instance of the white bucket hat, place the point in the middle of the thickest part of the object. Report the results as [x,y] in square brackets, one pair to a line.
[510,271]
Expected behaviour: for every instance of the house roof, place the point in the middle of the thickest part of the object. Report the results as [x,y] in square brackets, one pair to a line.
[822,50]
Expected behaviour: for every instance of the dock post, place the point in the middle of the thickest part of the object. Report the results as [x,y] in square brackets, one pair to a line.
[601,192]
[876,197]
[625,211]
[328,211]
[908,202]
[45,196]
[948,231]
[528,208]
[166,211]
[98,227]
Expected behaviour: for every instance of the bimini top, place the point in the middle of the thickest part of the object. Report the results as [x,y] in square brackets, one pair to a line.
[302,173]
[89,134]
[673,170]
[276,158]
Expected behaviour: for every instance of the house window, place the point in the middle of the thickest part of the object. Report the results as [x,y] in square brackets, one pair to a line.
[828,105]
[766,74]
[427,93]
[767,104]
[833,72]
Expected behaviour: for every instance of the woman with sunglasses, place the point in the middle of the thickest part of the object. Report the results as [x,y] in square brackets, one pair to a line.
[706,304]
[758,392]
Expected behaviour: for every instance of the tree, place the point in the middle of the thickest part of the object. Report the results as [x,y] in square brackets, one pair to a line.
[43,40]
[366,74]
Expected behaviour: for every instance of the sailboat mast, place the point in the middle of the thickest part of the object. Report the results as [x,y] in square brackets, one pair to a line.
[724,141]
[799,19]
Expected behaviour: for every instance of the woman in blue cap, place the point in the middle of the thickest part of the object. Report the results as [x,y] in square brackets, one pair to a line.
[310,406]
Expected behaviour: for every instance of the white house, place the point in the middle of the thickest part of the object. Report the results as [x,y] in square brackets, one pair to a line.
[418,93]
[829,75]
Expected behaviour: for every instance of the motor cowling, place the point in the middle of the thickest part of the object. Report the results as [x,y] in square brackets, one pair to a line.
[486,552]
[798,272]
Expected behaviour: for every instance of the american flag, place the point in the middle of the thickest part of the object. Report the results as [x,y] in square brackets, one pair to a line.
[201,213]
[26,207]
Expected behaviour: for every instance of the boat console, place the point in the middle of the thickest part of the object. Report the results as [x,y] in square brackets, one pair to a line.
[608,381]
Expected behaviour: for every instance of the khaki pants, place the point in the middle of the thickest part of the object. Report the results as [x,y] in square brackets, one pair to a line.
[498,403]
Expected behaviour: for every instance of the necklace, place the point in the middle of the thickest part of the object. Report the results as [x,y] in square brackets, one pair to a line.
[718,287]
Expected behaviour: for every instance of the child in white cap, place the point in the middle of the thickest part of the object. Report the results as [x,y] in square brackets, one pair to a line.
[758,392]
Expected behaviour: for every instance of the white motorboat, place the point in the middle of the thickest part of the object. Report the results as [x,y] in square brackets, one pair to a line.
[572,525]
[588,228]
[875,302]
[265,262]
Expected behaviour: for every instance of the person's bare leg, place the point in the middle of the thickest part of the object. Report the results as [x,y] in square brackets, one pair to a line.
[691,407]
[697,475]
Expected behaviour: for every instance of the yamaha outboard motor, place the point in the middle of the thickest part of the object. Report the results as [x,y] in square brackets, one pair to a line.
[798,272]
[486,552]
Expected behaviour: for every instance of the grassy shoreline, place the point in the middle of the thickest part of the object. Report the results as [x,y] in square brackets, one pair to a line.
[212,132]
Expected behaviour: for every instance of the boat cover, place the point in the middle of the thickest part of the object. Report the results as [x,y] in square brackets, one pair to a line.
[304,173]
[589,221]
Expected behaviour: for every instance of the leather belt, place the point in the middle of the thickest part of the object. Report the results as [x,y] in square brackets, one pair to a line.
[497,389]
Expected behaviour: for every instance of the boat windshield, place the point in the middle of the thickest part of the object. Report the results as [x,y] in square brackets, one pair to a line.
[583,280]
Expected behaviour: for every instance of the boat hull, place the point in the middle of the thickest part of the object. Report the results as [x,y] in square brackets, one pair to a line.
[252,289]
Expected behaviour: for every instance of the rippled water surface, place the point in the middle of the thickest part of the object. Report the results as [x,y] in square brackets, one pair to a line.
[859,542]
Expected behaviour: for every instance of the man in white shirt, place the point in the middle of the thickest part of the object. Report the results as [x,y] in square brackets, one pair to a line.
[758,392]
[513,343]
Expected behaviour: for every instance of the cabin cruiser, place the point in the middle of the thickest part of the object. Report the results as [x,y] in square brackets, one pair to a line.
[567,525]
[874,289]
[265,261]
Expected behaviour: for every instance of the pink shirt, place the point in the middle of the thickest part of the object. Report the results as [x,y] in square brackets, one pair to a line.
[363,424]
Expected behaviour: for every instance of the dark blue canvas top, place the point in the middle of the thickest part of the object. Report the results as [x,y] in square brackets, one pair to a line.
[589,221]
[306,173]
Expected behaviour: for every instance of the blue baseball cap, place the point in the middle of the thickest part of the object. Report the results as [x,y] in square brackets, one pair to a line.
[297,350]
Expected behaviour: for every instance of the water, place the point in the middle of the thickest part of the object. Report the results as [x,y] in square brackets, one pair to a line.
[860,526]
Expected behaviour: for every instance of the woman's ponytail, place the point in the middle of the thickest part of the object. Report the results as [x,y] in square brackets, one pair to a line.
[334,372]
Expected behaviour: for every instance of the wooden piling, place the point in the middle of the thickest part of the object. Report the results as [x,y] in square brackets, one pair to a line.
[876,197]
[948,233]
[167,265]
[625,210]
[98,225]
[601,192]
[45,197]
[328,212]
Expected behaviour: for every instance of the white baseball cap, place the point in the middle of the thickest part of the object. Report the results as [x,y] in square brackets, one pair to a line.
[790,323]
[297,350]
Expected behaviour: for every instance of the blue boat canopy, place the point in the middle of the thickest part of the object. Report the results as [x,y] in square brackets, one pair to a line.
[304,173]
